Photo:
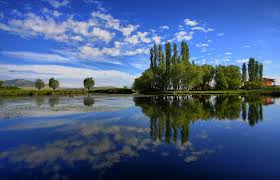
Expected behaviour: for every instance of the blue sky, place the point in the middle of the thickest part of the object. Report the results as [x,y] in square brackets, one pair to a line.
[110,39]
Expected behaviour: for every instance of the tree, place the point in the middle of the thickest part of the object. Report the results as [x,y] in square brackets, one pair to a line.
[192,77]
[185,55]
[244,73]
[167,62]
[221,83]
[251,69]
[145,81]
[175,54]
[156,56]
[261,72]
[208,73]
[39,84]
[88,83]
[152,58]
[1,83]
[53,83]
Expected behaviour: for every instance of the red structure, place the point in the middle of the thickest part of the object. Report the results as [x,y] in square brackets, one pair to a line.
[268,82]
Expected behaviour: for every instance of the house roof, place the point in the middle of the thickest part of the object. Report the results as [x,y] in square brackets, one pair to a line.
[269,79]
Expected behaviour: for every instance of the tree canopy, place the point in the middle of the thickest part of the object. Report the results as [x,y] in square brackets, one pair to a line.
[39,84]
[89,83]
[53,83]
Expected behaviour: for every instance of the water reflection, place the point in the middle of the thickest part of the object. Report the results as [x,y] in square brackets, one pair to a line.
[53,101]
[93,143]
[170,116]
[88,101]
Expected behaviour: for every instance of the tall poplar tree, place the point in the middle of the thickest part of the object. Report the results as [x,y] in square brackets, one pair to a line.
[156,56]
[151,58]
[175,54]
[244,72]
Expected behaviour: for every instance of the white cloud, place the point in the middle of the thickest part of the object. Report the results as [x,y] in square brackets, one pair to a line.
[220,34]
[58,3]
[103,35]
[228,53]
[164,27]
[267,62]
[68,76]
[202,45]
[37,57]
[242,60]
[199,28]
[137,51]
[93,52]
[137,38]
[246,46]
[190,22]
[156,39]
[115,23]
[183,35]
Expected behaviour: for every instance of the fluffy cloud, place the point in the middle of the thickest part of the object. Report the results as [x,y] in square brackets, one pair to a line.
[114,23]
[190,22]
[58,3]
[68,76]
[242,60]
[201,45]
[156,39]
[199,28]
[38,57]
[228,53]
[137,38]
[220,34]
[183,35]
[164,27]
[103,35]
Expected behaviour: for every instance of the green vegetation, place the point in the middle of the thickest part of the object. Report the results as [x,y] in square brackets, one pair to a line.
[173,72]
[53,83]
[171,116]
[89,83]
[39,84]
[1,84]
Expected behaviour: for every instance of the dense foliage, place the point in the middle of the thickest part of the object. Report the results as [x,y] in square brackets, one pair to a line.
[172,71]
[39,84]
[88,83]
[53,83]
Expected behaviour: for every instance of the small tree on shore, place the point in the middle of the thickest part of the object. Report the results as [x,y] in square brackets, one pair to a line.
[1,83]
[88,83]
[39,84]
[53,83]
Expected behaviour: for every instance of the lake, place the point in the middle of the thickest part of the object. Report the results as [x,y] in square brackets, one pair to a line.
[138,137]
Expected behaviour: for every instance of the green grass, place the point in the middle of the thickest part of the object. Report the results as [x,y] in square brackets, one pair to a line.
[48,92]
[262,91]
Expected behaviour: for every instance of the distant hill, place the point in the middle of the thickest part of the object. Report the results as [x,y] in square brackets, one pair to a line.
[19,82]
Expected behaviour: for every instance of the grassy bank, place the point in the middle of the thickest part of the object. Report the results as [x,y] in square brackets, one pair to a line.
[263,91]
[63,92]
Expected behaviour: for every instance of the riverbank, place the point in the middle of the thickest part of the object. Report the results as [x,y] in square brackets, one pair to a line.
[263,91]
[62,92]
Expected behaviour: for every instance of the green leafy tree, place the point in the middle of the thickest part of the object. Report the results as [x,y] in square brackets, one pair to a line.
[156,55]
[208,73]
[53,83]
[89,83]
[1,84]
[152,58]
[244,73]
[221,82]
[185,55]
[145,82]
[192,77]
[261,71]
[175,54]
[167,62]
[176,74]
[39,84]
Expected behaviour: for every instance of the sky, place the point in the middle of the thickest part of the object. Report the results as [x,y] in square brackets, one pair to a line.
[109,40]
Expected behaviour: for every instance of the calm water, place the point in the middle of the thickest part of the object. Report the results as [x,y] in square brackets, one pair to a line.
[136,137]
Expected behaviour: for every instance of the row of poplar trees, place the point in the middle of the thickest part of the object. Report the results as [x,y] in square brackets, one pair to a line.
[252,74]
[170,70]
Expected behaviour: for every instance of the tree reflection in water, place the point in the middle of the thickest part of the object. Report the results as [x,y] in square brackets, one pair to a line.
[170,116]
[88,101]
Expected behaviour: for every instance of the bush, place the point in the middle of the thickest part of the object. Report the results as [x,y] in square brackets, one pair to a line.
[252,85]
